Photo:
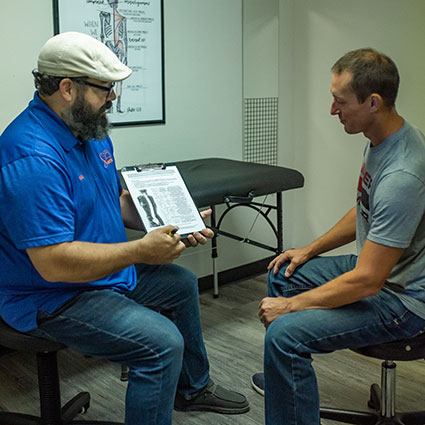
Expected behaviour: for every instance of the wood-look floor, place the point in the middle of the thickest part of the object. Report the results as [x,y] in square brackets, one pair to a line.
[234,340]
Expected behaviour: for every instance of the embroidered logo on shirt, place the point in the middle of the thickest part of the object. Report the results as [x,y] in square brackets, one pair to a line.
[81,177]
[106,157]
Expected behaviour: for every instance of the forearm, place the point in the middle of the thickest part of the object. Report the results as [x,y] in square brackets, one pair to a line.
[341,234]
[346,289]
[81,262]
[365,280]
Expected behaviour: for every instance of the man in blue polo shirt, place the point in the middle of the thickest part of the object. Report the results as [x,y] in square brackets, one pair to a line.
[67,271]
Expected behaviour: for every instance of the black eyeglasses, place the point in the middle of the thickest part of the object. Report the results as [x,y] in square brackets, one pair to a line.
[97,86]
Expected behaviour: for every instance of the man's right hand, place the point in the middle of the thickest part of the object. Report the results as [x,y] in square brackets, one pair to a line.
[158,247]
[295,257]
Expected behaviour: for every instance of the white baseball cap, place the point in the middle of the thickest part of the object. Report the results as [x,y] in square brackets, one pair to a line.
[74,54]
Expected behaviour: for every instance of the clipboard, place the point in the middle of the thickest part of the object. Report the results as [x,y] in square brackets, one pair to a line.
[161,198]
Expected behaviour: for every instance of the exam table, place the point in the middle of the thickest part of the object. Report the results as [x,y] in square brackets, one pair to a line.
[215,181]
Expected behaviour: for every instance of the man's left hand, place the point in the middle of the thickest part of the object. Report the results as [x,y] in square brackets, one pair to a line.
[200,237]
[270,309]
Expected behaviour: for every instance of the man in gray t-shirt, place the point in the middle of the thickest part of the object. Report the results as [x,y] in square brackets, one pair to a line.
[390,210]
[321,304]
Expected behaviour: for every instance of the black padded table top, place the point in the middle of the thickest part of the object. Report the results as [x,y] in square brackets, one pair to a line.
[211,180]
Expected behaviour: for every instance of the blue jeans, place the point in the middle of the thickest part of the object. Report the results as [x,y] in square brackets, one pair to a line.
[155,330]
[291,392]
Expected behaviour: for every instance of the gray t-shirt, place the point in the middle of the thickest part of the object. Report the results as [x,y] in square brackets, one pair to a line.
[391,210]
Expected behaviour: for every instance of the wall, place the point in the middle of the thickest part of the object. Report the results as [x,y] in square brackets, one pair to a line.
[260,48]
[25,27]
[314,34]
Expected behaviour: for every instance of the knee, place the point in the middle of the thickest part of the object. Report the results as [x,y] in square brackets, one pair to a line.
[270,277]
[175,346]
[163,357]
[186,280]
[281,336]
[168,347]
[275,335]
[276,281]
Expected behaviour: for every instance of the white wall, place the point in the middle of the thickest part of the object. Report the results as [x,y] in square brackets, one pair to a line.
[314,34]
[26,25]
[260,48]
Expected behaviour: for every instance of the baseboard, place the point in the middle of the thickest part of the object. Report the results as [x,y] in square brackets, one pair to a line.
[237,273]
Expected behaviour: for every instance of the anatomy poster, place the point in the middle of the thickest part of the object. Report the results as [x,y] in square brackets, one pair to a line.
[132,29]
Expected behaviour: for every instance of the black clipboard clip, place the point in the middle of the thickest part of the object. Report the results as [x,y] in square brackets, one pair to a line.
[150,166]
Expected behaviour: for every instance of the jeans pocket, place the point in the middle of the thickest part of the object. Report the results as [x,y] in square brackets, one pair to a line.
[408,325]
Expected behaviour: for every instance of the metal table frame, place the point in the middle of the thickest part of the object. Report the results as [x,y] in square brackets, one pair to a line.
[232,203]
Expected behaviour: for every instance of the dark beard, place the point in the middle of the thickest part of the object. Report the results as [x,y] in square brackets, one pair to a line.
[86,123]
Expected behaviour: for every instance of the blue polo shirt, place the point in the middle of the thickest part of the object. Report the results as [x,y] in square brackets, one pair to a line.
[53,189]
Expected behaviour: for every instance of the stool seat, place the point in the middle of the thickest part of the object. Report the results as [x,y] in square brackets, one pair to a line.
[51,412]
[18,341]
[401,350]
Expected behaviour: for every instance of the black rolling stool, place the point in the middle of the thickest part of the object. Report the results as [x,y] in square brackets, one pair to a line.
[382,399]
[51,412]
